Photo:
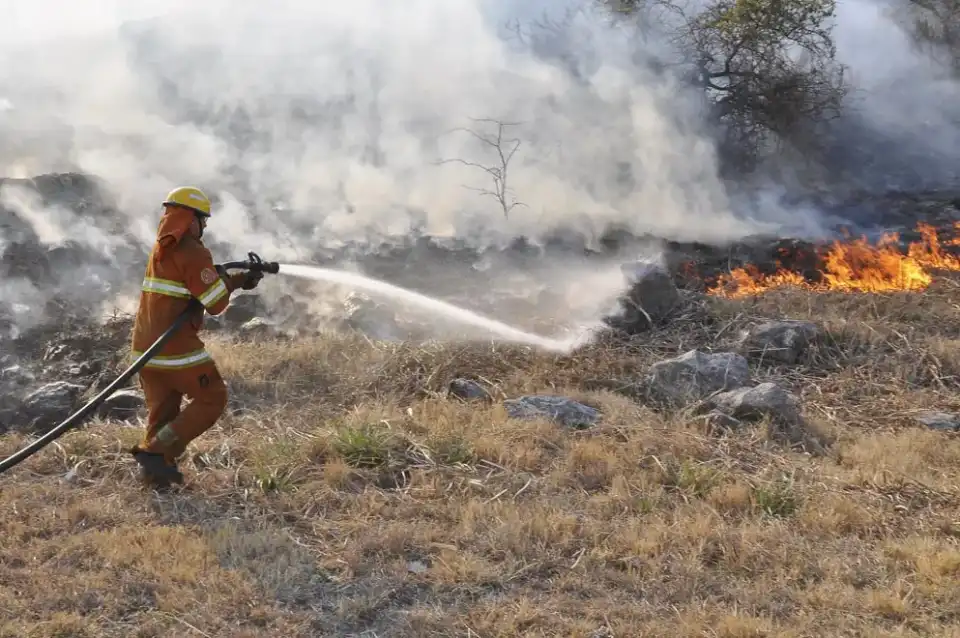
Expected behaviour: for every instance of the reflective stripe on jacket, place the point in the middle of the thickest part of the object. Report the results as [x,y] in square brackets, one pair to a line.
[179,267]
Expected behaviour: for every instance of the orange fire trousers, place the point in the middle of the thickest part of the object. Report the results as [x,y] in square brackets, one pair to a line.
[170,429]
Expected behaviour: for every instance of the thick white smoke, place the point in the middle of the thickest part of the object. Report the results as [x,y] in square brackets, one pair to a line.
[344,112]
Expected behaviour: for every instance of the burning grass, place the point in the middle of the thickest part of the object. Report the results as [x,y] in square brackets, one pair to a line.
[350,497]
[854,266]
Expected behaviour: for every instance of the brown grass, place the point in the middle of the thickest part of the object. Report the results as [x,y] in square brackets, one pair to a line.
[351,498]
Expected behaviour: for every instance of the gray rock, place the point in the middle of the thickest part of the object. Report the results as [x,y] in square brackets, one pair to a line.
[47,406]
[752,404]
[783,341]
[467,390]
[16,376]
[82,370]
[122,405]
[57,352]
[243,308]
[567,412]
[764,400]
[376,320]
[258,328]
[652,299]
[695,375]
[212,323]
[945,421]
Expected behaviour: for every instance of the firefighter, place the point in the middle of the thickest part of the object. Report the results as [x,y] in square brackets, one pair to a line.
[180,267]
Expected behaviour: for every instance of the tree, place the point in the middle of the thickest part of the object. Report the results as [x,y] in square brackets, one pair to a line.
[767,68]
[499,171]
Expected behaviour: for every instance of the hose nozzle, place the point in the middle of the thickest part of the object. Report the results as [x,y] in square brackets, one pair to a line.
[257,264]
[253,264]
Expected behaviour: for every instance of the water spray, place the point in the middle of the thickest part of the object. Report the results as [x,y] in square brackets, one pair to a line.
[498,328]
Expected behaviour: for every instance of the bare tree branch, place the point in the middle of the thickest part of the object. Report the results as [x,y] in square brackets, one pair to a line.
[505,149]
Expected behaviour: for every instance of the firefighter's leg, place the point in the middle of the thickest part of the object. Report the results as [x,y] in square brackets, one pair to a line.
[163,401]
[163,405]
[207,394]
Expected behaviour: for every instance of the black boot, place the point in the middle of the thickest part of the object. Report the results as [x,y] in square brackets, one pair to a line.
[155,471]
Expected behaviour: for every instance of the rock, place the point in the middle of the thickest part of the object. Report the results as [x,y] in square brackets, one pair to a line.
[751,404]
[83,370]
[212,323]
[763,400]
[16,376]
[945,421]
[376,320]
[784,341]
[47,406]
[57,352]
[467,390]
[695,375]
[652,299]
[567,412]
[242,309]
[122,405]
[258,328]
[290,313]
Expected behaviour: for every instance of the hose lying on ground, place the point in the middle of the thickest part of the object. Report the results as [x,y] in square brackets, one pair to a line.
[255,263]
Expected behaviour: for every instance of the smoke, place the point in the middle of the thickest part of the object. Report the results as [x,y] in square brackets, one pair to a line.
[318,125]
[900,130]
[344,114]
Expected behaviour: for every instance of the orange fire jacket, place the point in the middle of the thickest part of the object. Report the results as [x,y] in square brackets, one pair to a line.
[179,267]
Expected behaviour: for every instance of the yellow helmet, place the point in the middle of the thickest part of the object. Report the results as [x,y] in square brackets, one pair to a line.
[189,197]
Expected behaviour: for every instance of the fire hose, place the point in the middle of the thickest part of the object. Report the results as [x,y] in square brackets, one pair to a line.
[253,263]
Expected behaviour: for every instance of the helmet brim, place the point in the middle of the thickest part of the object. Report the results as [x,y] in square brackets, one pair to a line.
[195,210]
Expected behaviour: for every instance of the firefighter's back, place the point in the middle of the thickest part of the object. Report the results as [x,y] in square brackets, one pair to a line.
[163,297]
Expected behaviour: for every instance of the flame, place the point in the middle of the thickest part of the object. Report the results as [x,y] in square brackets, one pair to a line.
[855,266]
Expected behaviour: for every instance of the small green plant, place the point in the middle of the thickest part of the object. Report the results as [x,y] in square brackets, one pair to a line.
[367,446]
[778,499]
[273,480]
[689,477]
[453,451]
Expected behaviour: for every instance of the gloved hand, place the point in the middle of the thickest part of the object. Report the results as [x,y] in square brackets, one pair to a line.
[252,280]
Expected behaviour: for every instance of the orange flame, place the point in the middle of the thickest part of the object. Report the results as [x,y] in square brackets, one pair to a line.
[855,266]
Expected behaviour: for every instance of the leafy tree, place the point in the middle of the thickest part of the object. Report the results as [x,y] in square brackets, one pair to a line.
[767,68]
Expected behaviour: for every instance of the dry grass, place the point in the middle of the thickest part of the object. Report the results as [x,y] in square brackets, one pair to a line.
[351,498]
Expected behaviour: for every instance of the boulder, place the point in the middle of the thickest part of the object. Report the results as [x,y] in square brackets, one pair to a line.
[122,405]
[467,390]
[752,404]
[374,319]
[782,341]
[50,404]
[652,299]
[944,421]
[766,400]
[695,375]
[567,412]
[16,376]
[243,308]
[258,328]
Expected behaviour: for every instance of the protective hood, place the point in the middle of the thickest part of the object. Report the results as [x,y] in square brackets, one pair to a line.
[174,224]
